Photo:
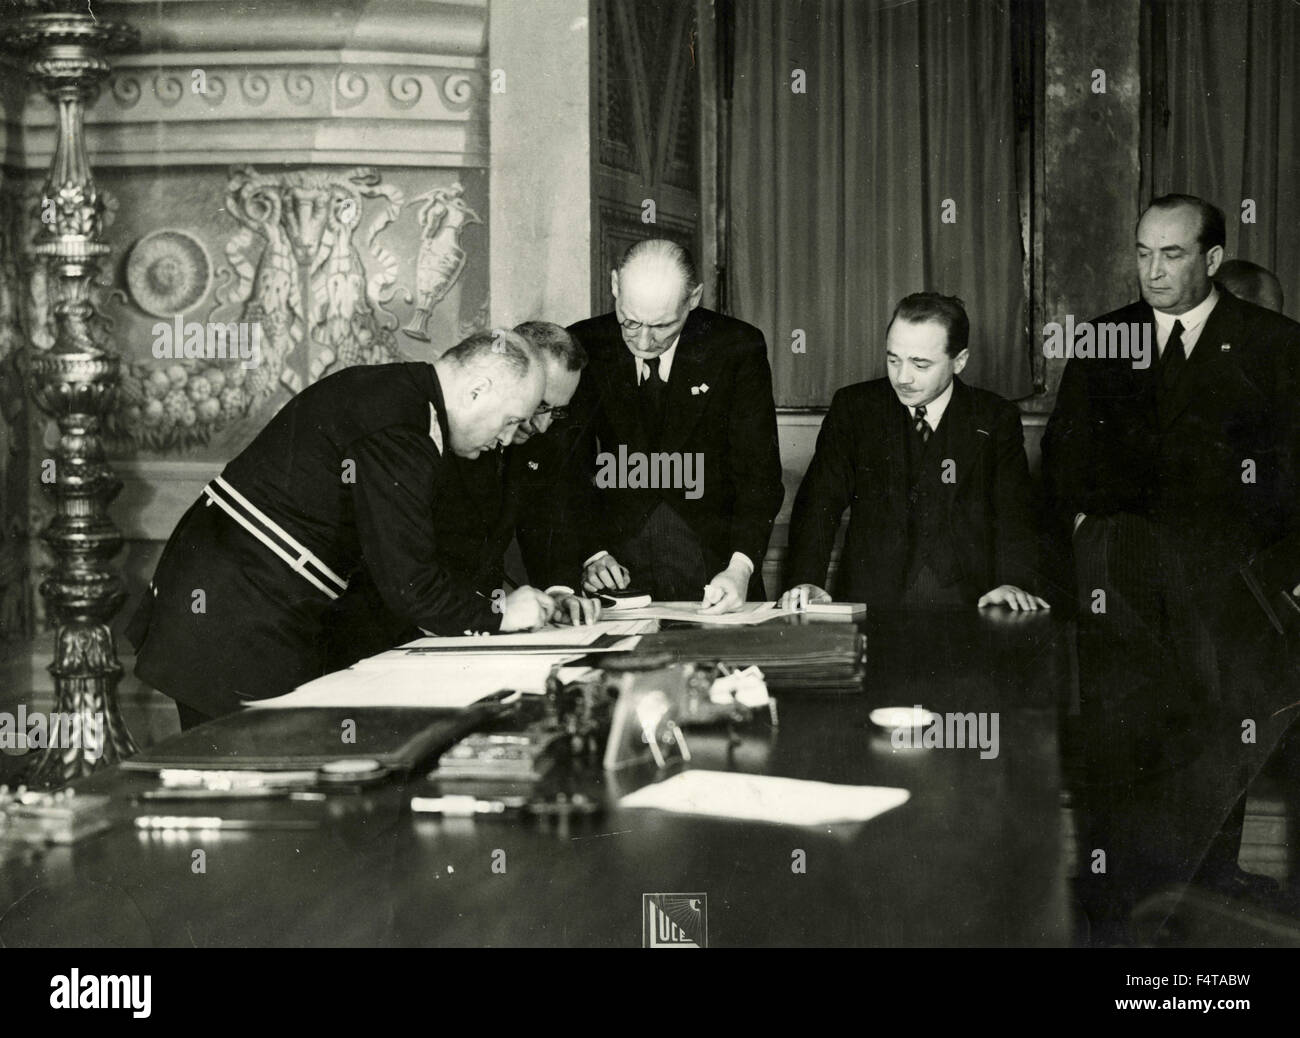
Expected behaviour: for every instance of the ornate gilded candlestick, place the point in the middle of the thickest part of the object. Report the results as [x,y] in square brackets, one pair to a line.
[74,383]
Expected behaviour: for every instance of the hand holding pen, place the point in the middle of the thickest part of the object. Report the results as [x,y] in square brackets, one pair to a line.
[575,610]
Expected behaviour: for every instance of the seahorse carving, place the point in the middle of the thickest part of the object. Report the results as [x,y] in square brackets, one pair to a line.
[259,204]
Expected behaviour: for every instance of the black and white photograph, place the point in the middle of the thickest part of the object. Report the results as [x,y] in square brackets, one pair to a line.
[650,474]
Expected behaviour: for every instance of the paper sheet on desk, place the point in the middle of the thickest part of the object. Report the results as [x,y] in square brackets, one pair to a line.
[547,640]
[765,798]
[449,682]
[748,613]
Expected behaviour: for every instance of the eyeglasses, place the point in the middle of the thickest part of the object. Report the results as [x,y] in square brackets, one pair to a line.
[629,325]
[557,413]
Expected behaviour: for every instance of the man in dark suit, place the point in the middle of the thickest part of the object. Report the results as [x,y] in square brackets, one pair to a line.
[342,479]
[504,494]
[677,432]
[934,472]
[1166,477]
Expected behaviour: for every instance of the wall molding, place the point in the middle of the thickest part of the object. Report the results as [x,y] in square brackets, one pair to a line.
[307,86]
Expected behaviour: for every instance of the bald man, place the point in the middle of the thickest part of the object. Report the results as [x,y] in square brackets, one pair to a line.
[341,481]
[677,429]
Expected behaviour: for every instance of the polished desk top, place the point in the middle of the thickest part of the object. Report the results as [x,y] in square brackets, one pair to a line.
[972,859]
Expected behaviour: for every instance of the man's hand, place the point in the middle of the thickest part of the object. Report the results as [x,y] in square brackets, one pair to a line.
[802,595]
[725,592]
[1012,596]
[526,609]
[604,572]
[572,609]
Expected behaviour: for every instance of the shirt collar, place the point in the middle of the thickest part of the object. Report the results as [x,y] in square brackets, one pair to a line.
[1192,319]
[665,363]
[935,408]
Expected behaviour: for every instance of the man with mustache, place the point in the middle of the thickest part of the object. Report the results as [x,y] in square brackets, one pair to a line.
[935,474]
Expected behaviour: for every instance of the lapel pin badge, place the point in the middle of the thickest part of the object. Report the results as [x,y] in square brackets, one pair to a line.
[1225,347]
[533,465]
[703,387]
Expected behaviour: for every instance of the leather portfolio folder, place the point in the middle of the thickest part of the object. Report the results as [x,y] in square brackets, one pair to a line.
[305,737]
[813,657]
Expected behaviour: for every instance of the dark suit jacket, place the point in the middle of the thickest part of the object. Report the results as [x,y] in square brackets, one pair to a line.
[1108,448]
[861,464]
[259,632]
[732,424]
[502,495]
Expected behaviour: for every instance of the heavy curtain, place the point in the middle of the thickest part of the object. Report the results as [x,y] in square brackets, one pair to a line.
[839,195]
[1233,132]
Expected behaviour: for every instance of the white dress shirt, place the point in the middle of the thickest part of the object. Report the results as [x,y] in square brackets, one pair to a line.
[934,409]
[739,560]
[665,364]
[1193,323]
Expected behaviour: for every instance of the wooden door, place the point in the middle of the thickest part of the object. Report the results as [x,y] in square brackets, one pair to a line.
[646,131]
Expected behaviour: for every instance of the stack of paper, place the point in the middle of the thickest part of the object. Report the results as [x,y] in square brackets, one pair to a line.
[748,614]
[455,672]
[815,657]
[441,681]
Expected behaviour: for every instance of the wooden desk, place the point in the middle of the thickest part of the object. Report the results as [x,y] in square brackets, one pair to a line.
[973,859]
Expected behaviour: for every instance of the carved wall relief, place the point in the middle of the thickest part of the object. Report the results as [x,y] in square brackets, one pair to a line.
[312,274]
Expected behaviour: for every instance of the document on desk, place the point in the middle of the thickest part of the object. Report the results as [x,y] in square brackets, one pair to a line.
[447,682]
[748,613]
[615,637]
[765,798]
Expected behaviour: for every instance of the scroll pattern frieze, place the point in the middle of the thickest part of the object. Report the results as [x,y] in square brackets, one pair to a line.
[188,91]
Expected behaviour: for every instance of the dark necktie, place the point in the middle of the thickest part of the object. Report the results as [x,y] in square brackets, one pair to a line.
[1174,359]
[654,392]
[921,426]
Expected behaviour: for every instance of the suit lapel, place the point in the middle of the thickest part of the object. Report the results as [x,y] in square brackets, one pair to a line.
[691,369]
[1205,364]
[619,389]
[961,443]
[897,429]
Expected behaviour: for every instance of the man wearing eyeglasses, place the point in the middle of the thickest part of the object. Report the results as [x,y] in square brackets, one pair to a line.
[503,494]
[674,389]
